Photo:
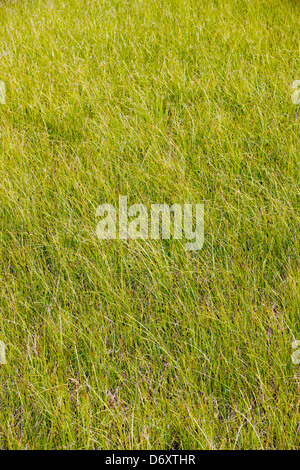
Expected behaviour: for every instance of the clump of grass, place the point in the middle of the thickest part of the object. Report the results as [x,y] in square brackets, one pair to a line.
[142,345]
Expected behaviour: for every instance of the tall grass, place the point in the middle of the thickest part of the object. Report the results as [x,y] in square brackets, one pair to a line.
[141,344]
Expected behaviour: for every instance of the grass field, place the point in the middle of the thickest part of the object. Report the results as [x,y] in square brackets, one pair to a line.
[140,344]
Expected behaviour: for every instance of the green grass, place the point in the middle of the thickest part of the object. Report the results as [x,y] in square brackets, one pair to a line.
[142,344]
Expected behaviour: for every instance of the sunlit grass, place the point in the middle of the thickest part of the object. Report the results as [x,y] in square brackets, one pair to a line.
[141,344]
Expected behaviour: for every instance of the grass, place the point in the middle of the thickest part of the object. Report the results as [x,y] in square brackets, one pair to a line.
[142,344]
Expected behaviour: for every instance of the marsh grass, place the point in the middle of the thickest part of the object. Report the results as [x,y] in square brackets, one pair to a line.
[141,344]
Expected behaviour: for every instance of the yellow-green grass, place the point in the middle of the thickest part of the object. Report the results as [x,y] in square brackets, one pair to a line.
[142,344]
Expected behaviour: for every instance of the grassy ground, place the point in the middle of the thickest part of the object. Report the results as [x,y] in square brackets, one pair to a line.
[141,344]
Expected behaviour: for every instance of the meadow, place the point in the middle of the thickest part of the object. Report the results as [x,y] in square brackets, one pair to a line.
[141,344]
